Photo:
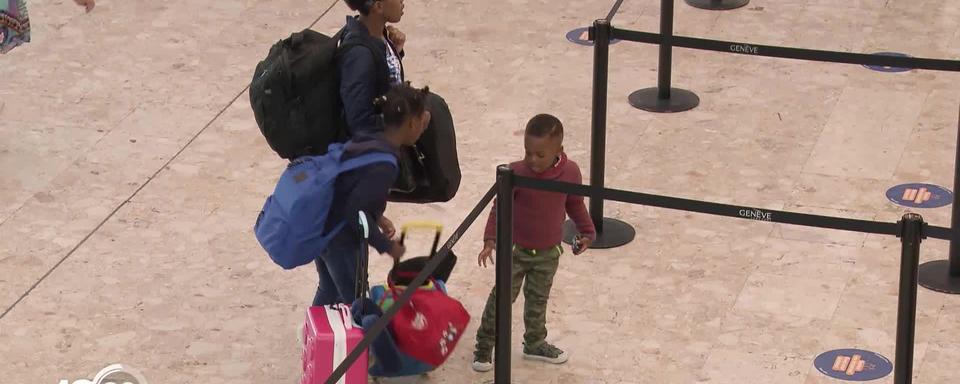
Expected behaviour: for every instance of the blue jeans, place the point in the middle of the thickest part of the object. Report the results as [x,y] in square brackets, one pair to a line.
[337,268]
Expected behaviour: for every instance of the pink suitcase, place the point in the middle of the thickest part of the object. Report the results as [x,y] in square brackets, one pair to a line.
[329,336]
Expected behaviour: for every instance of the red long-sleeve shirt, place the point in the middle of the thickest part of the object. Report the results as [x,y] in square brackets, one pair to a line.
[538,215]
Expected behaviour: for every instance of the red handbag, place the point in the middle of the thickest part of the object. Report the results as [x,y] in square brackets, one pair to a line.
[429,327]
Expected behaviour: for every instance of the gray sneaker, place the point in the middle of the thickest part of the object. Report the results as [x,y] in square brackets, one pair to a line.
[545,352]
[482,361]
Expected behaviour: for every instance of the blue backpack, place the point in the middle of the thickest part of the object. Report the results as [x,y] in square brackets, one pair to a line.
[291,224]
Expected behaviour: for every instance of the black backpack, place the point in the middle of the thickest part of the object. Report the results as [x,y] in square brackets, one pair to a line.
[430,170]
[295,94]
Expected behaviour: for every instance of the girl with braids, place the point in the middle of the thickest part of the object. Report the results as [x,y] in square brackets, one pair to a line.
[404,116]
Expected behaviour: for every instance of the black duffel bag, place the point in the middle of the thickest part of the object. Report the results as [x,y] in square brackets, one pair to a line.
[429,170]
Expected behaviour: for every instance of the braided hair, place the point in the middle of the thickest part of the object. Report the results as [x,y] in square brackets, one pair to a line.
[400,103]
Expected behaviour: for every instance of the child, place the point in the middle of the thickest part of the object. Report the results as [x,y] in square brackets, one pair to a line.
[404,114]
[537,232]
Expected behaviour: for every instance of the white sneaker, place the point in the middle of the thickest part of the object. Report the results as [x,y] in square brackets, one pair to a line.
[482,362]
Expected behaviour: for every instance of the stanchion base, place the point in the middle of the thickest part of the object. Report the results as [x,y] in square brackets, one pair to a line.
[717,5]
[648,99]
[615,233]
[935,275]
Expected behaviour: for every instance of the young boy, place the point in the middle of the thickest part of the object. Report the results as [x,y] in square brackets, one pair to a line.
[537,232]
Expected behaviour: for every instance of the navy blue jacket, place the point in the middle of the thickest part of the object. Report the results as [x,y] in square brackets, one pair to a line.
[362,189]
[363,77]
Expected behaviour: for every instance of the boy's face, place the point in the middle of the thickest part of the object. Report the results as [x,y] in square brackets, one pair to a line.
[541,152]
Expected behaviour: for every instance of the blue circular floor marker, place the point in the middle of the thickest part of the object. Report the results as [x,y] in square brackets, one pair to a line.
[889,69]
[918,195]
[579,36]
[853,365]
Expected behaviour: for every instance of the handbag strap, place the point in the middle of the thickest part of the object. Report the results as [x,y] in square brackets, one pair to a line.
[392,288]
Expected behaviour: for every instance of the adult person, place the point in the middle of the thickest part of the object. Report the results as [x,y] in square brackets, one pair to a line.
[367,74]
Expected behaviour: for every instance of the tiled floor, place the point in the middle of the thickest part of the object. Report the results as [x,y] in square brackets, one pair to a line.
[132,173]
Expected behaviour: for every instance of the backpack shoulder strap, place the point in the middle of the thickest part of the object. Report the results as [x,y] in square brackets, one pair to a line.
[367,159]
[379,56]
[345,44]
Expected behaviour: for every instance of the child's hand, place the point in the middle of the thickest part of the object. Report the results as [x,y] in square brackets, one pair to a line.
[396,250]
[486,254]
[581,244]
[387,227]
[86,3]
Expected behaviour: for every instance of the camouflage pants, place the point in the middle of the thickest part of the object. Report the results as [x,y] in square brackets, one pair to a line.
[537,267]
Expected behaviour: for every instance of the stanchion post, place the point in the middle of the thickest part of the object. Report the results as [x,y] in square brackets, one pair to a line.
[664,98]
[598,123]
[665,64]
[954,264]
[504,273]
[717,5]
[611,233]
[944,275]
[911,233]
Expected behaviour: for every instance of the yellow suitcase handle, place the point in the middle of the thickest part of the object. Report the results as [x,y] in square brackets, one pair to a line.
[437,227]
[423,224]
